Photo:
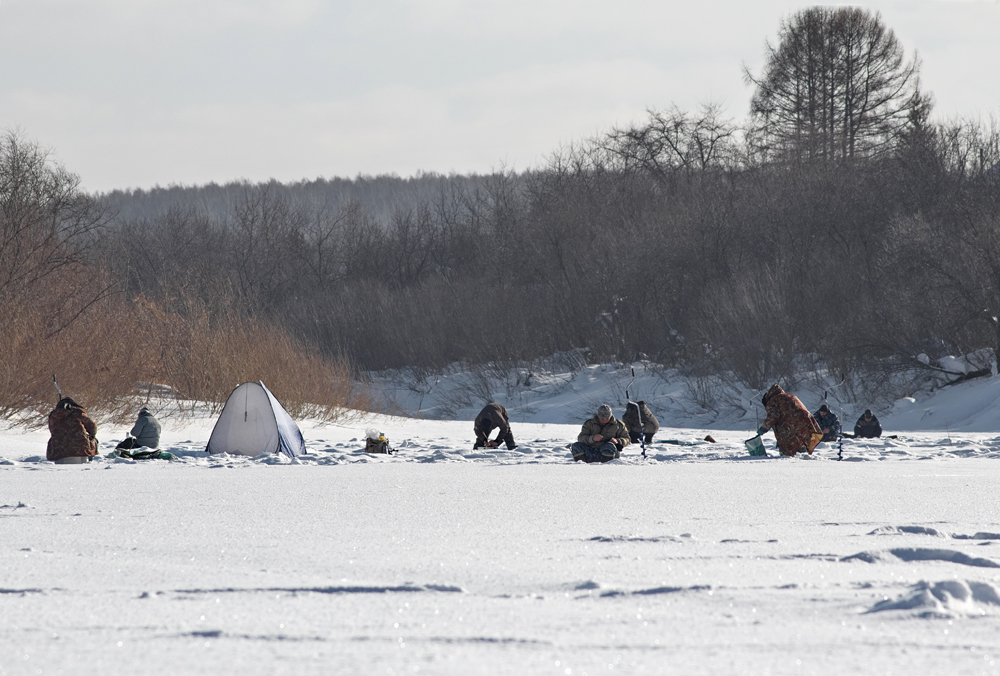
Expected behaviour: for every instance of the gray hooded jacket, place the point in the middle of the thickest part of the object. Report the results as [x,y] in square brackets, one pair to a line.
[146,430]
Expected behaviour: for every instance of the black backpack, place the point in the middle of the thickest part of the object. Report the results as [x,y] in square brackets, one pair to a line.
[379,445]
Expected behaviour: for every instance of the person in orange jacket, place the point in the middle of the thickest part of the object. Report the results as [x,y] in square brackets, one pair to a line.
[795,429]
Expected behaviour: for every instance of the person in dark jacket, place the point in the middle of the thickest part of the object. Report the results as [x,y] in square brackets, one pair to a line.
[145,432]
[868,426]
[493,416]
[794,427]
[74,434]
[602,438]
[650,425]
[829,423]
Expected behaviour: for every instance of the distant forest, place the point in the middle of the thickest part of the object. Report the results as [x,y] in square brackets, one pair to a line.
[839,223]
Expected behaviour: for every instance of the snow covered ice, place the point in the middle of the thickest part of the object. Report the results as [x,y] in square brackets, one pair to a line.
[443,560]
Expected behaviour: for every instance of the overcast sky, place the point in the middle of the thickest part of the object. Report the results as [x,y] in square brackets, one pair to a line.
[134,93]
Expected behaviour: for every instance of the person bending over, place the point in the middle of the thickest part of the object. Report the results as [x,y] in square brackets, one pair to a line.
[795,429]
[493,416]
[650,425]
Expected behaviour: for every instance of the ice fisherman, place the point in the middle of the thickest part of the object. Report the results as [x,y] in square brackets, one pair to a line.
[650,425]
[829,423]
[73,434]
[145,432]
[493,416]
[868,426]
[794,427]
[602,438]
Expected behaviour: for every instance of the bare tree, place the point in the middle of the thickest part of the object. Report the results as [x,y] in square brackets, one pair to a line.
[268,244]
[324,238]
[48,227]
[46,221]
[676,142]
[837,86]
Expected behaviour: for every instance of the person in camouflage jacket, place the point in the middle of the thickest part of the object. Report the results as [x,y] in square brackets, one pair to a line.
[493,416]
[650,425]
[602,438]
[794,427]
[74,434]
[829,423]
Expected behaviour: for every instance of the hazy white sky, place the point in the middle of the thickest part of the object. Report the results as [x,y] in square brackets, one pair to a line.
[133,93]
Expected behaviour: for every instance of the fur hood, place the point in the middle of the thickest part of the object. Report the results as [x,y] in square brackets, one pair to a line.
[773,390]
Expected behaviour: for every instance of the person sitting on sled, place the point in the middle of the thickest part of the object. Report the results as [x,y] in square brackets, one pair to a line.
[145,432]
[795,429]
[602,438]
[650,425]
[74,434]
[493,416]
[868,426]
[829,423]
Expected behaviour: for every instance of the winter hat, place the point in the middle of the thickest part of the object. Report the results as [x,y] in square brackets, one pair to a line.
[66,402]
[603,411]
[868,413]
[824,408]
[143,411]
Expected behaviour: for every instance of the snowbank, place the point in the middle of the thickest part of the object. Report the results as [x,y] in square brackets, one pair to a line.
[571,394]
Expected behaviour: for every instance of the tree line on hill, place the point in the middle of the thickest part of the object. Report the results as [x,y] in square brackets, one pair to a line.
[838,222]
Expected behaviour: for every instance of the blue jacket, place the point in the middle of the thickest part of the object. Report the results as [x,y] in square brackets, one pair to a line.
[830,422]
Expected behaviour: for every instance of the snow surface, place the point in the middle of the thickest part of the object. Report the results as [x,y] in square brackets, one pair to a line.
[443,560]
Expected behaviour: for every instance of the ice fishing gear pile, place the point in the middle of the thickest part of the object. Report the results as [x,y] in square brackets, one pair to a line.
[376,442]
[151,454]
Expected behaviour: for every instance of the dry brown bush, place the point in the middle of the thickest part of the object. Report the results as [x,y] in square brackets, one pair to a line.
[112,358]
[97,358]
[205,358]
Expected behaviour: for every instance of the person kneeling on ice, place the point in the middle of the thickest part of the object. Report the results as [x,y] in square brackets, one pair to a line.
[493,416]
[74,434]
[829,423]
[145,432]
[650,425]
[868,426]
[602,438]
[794,427]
